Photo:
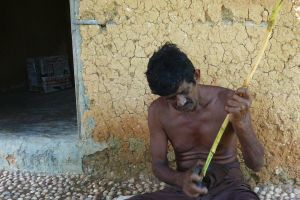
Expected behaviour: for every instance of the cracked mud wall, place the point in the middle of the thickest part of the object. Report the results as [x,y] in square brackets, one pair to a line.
[222,38]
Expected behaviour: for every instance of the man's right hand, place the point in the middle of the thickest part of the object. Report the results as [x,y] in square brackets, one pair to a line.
[189,187]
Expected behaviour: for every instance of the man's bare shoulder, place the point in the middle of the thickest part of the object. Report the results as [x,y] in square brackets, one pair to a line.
[223,93]
[217,92]
[157,105]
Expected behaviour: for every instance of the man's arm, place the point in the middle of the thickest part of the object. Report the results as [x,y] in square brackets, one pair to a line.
[159,148]
[238,106]
[160,166]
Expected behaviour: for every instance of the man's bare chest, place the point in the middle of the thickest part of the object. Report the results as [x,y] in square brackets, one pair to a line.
[188,131]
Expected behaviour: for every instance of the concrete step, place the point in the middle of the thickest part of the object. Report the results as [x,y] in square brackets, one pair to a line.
[52,155]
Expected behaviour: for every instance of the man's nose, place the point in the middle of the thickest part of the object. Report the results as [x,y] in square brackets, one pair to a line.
[181,100]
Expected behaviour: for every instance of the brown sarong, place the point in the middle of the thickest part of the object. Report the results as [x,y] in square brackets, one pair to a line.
[224,182]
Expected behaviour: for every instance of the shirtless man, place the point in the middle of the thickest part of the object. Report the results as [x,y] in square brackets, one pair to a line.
[189,116]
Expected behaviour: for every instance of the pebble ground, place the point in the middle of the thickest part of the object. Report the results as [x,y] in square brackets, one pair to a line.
[32,186]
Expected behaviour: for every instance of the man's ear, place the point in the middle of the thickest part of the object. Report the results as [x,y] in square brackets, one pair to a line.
[197,75]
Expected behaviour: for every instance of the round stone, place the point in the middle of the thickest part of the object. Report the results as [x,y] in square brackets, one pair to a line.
[10,188]
[131,180]
[278,190]
[95,190]
[110,194]
[292,195]
[256,189]
[127,192]
[297,191]
[108,198]
[110,183]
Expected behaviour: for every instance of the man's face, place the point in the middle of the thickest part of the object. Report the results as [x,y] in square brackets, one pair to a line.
[185,99]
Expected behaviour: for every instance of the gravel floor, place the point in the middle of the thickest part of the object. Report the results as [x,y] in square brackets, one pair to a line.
[21,186]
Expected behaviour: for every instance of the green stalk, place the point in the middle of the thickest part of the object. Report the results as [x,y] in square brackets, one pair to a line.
[271,24]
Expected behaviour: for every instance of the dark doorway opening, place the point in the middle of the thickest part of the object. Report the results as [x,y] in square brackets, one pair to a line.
[35,29]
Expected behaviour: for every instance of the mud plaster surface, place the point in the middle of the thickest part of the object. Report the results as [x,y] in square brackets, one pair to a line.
[222,38]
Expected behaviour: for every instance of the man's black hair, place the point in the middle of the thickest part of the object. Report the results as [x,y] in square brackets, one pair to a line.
[167,69]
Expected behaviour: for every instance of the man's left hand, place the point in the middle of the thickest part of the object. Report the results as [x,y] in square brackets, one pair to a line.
[238,105]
